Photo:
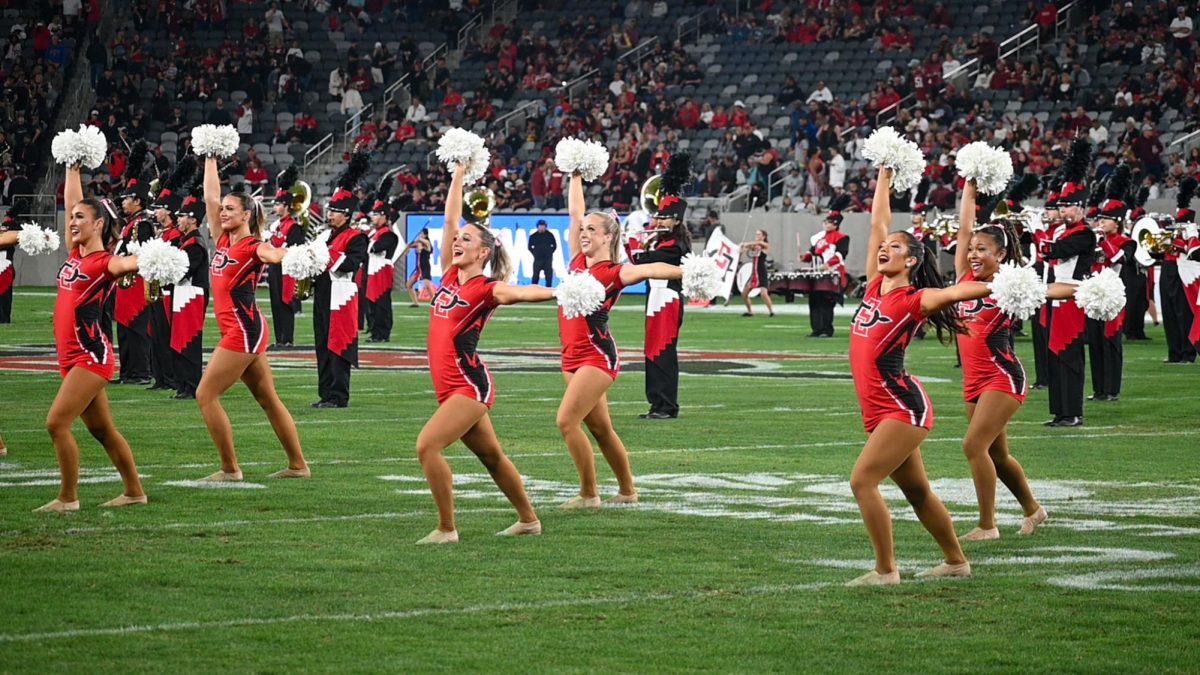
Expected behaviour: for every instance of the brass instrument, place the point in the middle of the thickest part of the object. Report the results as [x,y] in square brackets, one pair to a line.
[127,280]
[1153,239]
[479,203]
[300,199]
[651,194]
[153,291]
[944,225]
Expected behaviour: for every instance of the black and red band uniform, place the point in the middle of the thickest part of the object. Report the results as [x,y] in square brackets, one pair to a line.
[7,275]
[189,304]
[1104,338]
[1176,310]
[282,287]
[162,359]
[664,319]
[1069,253]
[830,248]
[381,277]
[132,310]
[335,314]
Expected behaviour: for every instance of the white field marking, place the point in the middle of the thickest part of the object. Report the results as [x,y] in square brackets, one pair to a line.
[1057,555]
[215,485]
[401,615]
[270,521]
[45,482]
[799,410]
[1126,580]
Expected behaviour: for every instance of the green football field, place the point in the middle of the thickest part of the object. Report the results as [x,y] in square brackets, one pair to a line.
[734,560]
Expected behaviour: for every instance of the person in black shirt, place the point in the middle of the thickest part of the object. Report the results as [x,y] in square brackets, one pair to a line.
[542,245]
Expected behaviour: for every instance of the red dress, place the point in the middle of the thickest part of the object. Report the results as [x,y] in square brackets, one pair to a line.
[882,329]
[989,362]
[457,315]
[234,272]
[586,340]
[84,283]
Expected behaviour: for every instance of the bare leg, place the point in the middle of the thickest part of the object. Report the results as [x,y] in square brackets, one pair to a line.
[887,448]
[985,422]
[261,383]
[599,422]
[746,299]
[412,284]
[224,368]
[1012,475]
[585,387]
[766,296]
[98,419]
[77,391]
[481,440]
[911,478]
[450,422]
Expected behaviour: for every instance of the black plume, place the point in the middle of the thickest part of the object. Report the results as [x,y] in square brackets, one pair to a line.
[183,172]
[1187,190]
[136,159]
[1023,188]
[922,190]
[385,187]
[840,202]
[1079,161]
[357,168]
[678,174]
[286,179]
[984,213]
[1097,194]
[1143,194]
[18,208]
[1119,182]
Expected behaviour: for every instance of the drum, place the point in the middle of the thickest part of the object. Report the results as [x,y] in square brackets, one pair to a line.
[807,281]
[745,272]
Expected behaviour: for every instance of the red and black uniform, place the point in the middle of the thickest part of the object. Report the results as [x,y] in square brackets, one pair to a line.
[189,303]
[457,315]
[132,309]
[6,283]
[831,248]
[880,333]
[1069,254]
[235,271]
[1177,314]
[84,283]
[586,340]
[1041,320]
[1104,338]
[162,359]
[1189,276]
[664,319]
[282,288]
[989,361]
[335,315]
[381,276]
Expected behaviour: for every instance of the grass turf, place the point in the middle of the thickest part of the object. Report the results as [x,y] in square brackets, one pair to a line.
[734,561]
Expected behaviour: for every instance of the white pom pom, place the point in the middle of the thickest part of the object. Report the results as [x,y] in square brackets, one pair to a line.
[1018,291]
[701,277]
[209,140]
[161,262]
[588,158]
[459,146]
[579,294]
[990,168]
[35,240]
[86,146]
[1101,296]
[306,261]
[886,148]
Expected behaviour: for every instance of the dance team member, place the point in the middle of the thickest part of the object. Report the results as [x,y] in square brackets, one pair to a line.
[758,250]
[424,273]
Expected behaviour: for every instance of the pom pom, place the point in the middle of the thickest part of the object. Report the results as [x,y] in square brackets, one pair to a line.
[579,294]
[586,157]
[1018,291]
[459,146]
[209,140]
[36,240]
[886,148]
[990,168]
[701,277]
[1101,296]
[306,261]
[86,146]
[161,262]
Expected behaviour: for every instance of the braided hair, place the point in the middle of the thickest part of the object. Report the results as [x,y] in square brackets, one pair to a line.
[925,274]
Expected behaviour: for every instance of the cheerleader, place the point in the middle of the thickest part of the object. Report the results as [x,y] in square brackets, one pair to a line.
[994,384]
[285,231]
[904,290]
[758,250]
[381,266]
[424,248]
[235,224]
[1106,353]
[189,300]
[132,311]
[85,354]
[589,354]
[458,313]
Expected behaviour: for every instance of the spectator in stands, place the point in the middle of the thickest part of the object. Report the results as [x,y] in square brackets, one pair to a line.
[1181,31]
[820,94]
[219,115]
[245,117]
[1148,150]
[837,169]
[940,17]
[256,175]
[739,117]
[416,111]
[276,23]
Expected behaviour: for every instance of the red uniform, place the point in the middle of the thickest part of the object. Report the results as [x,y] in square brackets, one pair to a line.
[235,271]
[882,329]
[83,286]
[457,315]
[989,362]
[586,340]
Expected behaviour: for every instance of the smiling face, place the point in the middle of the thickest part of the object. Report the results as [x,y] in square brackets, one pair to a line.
[234,215]
[85,225]
[985,255]
[468,251]
[894,258]
[594,238]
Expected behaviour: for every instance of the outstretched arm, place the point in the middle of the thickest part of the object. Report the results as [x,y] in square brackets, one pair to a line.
[510,294]
[454,204]
[1060,291]
[73,189]
[212,197]
[269,254]
[9,239]
[575,208]
[632,274]
[966,226]
[933,300]
[881,218]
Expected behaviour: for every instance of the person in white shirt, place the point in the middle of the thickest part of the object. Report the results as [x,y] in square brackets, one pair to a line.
[837,169]
[821,94]
[275,24]
[337,82]
[1098,133]
[245,120]
[416,111]
[1181,30]
[950,65]
[352,103]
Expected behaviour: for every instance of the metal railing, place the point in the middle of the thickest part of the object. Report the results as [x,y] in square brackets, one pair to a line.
[775,178]
[1187,141]
[690,25]
[318,151]
[641,51]
[579,82]
[508,118]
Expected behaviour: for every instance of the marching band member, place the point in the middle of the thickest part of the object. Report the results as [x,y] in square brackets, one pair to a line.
[285,231]
[170,197]
[1105,351]
[1177,314]
[1069,252]
[132,310]
[235,223]
[666,241]
[335,292]
[829,251]
[1051,220]
[85,354]
[993,377]
[457,315]
[1138,290]
[904,290]
[381,265]
[424,272]
[758,250]
[7,274]
[189,299]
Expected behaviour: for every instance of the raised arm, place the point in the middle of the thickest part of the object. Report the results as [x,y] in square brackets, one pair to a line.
[212,197]
[966,226]
[576,207]
[510,294]
[454,206]
[881,219]
[934,300]
[632,274]
[72,189]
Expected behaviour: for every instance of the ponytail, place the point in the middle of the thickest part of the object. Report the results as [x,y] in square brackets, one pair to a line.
[1006,238]
[111,231]
[927,275]
[497,256]
[612,227]
[257,214]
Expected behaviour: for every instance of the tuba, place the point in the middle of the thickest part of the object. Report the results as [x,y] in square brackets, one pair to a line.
[1153,240]
[479,202]
[651,194]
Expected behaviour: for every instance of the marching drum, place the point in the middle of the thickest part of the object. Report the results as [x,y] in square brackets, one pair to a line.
[807,281]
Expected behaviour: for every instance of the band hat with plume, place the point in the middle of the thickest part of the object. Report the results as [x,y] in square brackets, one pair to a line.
[1114,205]
[836,206]
[136,186]
[283,184]
[379,202]
[920,206]
[1187,190]
[674,180]
[343,199]
[1074,191]
[170,197]
[1021,190]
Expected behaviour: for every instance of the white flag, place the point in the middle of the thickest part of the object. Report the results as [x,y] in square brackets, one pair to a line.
[725,252]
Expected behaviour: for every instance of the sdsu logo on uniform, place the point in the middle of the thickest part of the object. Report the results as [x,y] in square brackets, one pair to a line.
[220,261]
[867,317]
[445,301]
[69,273]
[977,306]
